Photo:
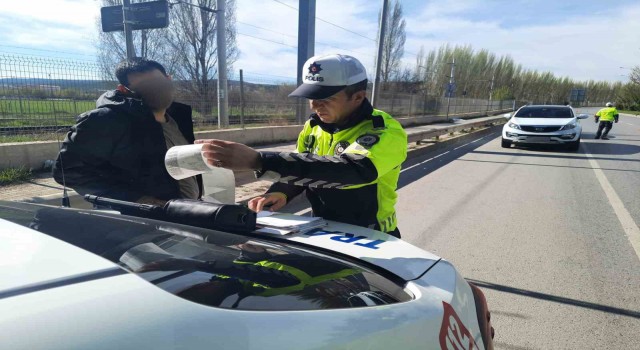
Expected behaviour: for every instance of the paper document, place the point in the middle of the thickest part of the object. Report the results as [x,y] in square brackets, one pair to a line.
[186,161]
[279,223]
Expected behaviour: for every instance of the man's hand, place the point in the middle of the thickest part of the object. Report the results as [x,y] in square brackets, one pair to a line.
[230,155]
[276,200]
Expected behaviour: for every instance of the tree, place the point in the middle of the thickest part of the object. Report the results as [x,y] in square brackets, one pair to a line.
[635,75]
[393,47]
[148,43]
[192,39]
[187,49]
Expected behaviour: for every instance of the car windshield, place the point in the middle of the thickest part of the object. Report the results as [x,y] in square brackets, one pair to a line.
[216,268]
[544,112]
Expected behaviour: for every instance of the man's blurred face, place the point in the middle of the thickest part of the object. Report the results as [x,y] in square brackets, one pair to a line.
[155,88]
[335,109]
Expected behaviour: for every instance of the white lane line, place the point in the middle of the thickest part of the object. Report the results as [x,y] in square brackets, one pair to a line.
[415,165]
[628,225]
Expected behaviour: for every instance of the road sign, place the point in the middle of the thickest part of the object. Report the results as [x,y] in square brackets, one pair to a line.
[142,15]
[450,89]
[578,95]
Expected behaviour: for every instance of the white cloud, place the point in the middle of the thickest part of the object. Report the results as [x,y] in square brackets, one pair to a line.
[77,13]
[581,46]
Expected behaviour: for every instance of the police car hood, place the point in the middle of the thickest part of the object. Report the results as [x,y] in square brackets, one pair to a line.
[30,260]
[387,252]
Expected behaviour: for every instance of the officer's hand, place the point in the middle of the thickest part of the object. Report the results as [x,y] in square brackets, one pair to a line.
[230,155]
[276,200]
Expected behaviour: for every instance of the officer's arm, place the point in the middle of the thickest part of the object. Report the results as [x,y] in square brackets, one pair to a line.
[616,116]
[360,163]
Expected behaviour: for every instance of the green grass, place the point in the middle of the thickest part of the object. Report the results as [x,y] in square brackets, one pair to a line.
[629,112]
[29,138]
[15,112]
[14,175]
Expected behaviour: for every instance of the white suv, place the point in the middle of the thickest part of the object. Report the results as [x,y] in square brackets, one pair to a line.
[543,125]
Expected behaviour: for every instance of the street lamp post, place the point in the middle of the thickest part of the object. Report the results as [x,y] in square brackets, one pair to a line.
[450,87]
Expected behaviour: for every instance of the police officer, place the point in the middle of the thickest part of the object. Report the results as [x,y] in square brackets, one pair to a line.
[607,116]
[348,154]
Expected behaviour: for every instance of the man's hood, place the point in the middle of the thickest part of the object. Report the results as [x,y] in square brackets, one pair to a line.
[114,99]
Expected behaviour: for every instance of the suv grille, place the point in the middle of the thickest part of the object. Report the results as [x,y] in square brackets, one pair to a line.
[539,128]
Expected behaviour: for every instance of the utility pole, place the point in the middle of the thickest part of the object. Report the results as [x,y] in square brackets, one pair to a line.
[223,117]
[128,36]
[450,87]
[381,34]
[493,78]
[241,100]
[306,48]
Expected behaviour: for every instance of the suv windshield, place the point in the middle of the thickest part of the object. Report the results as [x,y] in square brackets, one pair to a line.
[544,112]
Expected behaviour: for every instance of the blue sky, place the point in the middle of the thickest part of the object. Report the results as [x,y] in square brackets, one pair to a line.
[579,39]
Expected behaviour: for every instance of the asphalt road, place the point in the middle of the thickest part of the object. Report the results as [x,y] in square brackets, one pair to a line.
[544,232]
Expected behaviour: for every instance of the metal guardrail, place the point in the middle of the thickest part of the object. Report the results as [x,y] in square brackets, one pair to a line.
[439,131]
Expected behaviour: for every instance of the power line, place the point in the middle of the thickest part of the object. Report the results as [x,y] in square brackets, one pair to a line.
[268,30]
[325,21]
[271,41]
[289,35]
[343,28]
[45,50]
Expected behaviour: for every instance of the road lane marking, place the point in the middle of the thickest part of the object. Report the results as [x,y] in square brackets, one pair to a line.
[628,225]
[415,165]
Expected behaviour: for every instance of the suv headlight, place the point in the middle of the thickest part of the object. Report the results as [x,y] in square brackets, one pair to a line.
[514,126]
[569,126]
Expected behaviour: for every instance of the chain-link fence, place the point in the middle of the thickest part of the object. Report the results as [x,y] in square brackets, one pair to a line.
[39,96]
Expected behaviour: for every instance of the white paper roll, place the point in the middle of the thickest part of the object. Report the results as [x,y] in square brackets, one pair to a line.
[186,161]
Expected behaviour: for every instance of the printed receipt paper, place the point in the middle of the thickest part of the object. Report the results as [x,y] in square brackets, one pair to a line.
[186,161]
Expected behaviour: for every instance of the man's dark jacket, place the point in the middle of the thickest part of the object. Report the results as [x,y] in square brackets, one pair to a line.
[117,150]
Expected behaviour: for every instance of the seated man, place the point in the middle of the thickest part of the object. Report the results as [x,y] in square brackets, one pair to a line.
[117,150]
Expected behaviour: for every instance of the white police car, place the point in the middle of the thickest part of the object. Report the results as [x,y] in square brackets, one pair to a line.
[542,124]
[88,279]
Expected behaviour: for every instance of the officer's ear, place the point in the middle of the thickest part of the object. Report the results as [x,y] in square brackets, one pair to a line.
[359,96]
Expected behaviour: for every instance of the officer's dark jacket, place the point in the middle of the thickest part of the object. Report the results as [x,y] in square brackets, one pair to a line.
[117,150]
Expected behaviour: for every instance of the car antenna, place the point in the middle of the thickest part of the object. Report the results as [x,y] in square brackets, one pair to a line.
[65,196]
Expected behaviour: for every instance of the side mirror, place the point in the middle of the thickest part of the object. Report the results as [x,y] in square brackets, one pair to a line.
[507,115]
[583,116]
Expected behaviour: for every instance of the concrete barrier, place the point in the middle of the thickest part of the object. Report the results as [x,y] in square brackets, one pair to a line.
[418,136]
